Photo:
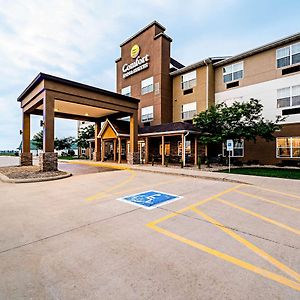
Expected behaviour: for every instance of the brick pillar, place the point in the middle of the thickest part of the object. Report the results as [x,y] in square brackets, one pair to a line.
[48,159]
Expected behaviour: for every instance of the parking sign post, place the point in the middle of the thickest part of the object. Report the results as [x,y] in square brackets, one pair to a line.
[229,148]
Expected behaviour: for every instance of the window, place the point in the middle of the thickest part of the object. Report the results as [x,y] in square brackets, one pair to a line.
[288,147]
[188,147]
[188,80]
[188,111]
[126,91]
[233,72]
[289,96]
[167,149]
[147,85]
[289,55]
[238,149]
[147,113]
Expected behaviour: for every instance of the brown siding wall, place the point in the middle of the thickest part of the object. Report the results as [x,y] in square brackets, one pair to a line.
[198,95]
[159,51]
[257,68]
[265,152]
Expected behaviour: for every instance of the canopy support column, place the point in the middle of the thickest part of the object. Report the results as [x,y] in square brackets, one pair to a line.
[26,156]
[48,159]
[97,155]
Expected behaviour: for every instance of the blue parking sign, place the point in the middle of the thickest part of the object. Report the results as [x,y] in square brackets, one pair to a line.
[150,199]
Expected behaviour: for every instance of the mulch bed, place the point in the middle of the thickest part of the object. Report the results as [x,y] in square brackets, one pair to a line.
[28,172]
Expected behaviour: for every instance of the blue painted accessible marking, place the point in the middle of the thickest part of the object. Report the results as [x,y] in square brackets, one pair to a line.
[150,199]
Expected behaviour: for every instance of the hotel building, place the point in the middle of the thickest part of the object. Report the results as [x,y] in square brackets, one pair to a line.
[171,94]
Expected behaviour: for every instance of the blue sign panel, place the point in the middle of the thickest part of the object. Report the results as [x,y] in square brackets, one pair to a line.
[150,199]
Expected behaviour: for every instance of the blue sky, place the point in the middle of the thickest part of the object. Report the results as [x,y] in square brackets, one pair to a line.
[79,40]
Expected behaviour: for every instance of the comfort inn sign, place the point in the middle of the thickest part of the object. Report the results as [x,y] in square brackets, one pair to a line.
[138,65]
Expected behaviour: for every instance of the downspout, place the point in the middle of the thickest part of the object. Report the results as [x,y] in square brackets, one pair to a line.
[183,147]
[206,61]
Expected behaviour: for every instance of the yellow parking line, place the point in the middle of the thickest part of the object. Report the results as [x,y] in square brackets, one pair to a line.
[269,201]
[274,191]
[240,263]
[284,226]
[97,164]
[114,187]
[193,205]
[250,246]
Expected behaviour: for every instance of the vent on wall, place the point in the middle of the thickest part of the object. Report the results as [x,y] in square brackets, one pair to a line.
[291,111]
[290,70]
[232,84]
[186,92]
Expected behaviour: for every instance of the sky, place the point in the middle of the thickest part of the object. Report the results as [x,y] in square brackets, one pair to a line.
[79,40]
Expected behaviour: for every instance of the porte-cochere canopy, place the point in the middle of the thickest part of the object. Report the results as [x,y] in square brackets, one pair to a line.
[52,96]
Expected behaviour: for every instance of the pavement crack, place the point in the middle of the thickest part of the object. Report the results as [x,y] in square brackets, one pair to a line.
[231,228]
[68,231]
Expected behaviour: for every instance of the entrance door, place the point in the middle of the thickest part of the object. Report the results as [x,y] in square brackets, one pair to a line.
[141,148]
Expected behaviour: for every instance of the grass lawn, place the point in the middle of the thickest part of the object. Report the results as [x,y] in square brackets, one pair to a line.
[268,172]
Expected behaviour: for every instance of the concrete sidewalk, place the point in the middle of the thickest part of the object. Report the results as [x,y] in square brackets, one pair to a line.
[270,182]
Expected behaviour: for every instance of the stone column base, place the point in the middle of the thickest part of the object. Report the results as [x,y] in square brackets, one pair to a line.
[26,159]
[133,158]
[97,156]
[48,161]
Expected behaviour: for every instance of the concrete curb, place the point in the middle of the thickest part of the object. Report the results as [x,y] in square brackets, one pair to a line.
[5,179]
[223,179]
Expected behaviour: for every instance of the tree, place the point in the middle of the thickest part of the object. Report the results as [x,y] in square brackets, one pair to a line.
[38,139]
[63,143]
[85,134]
[241,120]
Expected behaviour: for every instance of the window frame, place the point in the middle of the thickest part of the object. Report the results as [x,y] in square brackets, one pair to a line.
[188,112]
[290,56]
[290,147]
[148,119]
[291,95]
[225,152]
[192,82]
[232,72]
[144,89]
[167,149]
[126,94]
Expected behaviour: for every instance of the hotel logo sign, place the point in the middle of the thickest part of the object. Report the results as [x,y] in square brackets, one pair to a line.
[140,63]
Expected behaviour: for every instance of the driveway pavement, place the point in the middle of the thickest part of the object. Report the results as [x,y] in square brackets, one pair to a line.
[75,239]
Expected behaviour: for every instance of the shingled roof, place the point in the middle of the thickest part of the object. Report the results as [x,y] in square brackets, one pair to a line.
[168,127]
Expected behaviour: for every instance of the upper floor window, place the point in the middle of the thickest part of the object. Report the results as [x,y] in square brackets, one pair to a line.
[189,110]
[188,80]
[289,96]
[147,113]
[126,91]
[233,72]
[147,85]
[288,147]
[289,55]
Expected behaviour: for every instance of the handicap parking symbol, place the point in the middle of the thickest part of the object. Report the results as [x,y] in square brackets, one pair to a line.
[150,199]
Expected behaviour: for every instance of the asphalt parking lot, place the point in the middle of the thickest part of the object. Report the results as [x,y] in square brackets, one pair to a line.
[73,239]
